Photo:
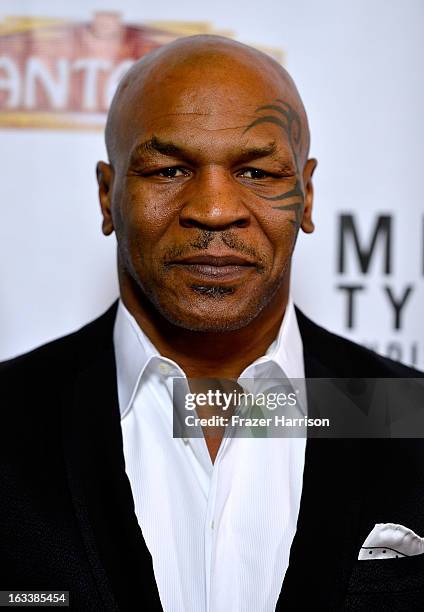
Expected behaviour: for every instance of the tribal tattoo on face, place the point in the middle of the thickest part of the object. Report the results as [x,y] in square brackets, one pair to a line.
[289,122]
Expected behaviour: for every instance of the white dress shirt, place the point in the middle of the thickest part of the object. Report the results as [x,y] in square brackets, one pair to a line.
[219,534]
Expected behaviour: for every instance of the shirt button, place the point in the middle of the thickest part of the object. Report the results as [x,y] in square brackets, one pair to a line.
[164,368]
[213,525]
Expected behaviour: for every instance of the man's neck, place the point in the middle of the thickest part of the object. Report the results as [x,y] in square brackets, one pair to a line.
[208,354]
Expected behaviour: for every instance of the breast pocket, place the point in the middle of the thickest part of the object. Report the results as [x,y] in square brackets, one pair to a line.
[392,585]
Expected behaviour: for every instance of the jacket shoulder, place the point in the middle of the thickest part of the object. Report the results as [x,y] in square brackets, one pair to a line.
[62,354]
[346,358]
[36,385]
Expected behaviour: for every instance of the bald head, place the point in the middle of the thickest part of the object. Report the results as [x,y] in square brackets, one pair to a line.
[201,75]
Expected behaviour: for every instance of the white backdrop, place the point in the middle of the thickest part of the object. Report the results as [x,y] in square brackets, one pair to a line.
[358,66]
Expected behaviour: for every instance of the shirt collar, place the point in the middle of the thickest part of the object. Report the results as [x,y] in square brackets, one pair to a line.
[286,352]
[134,351]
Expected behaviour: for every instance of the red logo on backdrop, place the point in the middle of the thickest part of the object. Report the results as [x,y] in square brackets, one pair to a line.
[60,74]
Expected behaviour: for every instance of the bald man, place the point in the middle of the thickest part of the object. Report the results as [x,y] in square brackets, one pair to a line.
[207,185]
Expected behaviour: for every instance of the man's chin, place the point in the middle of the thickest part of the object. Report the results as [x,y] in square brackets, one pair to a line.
[211,307]
[215,313]
[211,325]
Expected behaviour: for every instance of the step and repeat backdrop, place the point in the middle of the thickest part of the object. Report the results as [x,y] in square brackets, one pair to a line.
[358,66]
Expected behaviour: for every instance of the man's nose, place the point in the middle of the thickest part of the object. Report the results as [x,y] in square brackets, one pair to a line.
[214,202]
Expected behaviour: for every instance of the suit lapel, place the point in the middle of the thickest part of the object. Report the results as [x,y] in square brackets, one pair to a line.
[101,492]
[327,539]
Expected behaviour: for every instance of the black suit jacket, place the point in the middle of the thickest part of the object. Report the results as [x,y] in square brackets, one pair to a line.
[67,518]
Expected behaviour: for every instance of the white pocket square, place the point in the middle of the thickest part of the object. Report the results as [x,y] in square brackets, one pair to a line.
[388,541]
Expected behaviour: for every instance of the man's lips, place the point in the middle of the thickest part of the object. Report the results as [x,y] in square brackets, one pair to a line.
[214,260]
[215,267]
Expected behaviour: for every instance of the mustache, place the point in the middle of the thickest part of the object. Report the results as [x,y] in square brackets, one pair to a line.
[204,239]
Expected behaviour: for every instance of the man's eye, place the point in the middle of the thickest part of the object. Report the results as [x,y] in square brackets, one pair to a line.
[173,172]
[253,173]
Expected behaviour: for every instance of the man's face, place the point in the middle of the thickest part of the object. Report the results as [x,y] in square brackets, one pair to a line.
[207,198]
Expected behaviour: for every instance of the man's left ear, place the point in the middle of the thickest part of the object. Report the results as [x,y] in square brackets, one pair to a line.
[307,224]
[104,174]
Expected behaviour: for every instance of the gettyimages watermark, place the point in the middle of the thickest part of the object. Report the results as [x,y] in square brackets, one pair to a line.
[313,408]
